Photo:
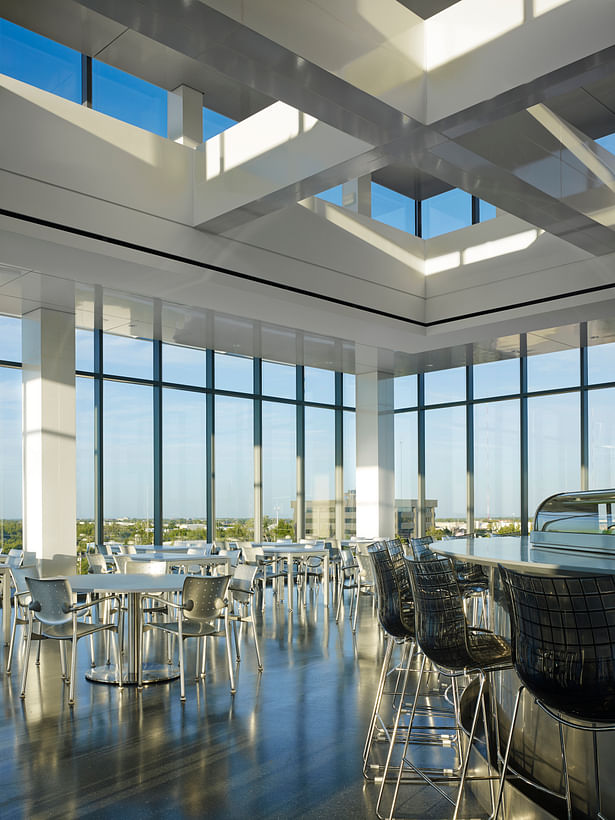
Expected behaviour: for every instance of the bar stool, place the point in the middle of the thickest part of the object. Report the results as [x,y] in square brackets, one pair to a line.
[454,648]
[563,649]
[472,580]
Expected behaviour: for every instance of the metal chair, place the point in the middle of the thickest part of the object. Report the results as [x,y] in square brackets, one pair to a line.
[348,579]
[563,650]
[241,599]
[21,602]
[97,563]
[52,606]
[454,648]
[203,604]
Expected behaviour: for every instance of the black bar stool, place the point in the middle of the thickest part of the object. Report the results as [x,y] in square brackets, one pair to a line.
[563,649]
[455,649]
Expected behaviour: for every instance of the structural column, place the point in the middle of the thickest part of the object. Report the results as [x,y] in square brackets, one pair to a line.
[185,116]
[357,195]
[375,456]
[49,451]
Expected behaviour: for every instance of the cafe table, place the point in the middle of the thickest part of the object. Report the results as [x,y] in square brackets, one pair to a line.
[288,552]
[133,587]
[183,559]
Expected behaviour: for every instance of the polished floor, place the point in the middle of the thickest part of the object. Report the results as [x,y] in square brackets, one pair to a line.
[287,745]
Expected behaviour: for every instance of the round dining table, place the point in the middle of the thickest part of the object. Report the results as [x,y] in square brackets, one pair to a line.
[133,587]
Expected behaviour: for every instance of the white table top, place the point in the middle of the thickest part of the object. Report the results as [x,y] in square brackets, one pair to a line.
[178,558]
[118,582]
[164,547]
[294,549]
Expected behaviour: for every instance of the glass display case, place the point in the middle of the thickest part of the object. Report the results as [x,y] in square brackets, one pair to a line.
[583,520]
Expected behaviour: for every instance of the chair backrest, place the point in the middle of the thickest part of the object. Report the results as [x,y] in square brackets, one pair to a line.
[19,579]
[251,555]
[127,549]
[232,555]
[395,613]
[365,569]
[14,558]
[152,567]
[242,583]
[400,566]
[96,562]
[421,550]
[51,598]
[441,627]
[563,640]
[204,596]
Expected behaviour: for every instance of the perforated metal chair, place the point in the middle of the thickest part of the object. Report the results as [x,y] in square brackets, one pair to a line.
[52,606]
[241,604]
[21,602]
[455,648]
[202,606]
[563,649]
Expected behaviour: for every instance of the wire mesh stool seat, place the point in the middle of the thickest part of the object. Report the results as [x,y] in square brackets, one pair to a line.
[563,649]
[456,650]
[472,580]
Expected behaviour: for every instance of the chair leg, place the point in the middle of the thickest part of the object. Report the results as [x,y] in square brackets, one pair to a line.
[507,755]
[12,641]
[259,660]
[182,686]
[379,692]
[63,661]
[464,770]
[229,654]
[27,657]
[565,771]
[73,671]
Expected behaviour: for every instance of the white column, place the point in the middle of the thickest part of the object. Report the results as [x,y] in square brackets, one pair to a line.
[49,453]
[375,456]
[185,116]
[357,195]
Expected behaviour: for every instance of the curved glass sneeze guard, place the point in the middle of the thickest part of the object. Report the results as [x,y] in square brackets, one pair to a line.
[590,512]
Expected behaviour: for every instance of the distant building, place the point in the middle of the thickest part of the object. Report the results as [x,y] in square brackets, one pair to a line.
[320,516]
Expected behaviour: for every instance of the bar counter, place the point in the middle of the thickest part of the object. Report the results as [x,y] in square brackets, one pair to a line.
[536,748]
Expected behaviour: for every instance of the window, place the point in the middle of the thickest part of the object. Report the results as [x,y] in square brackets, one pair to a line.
[214,123]
[183,365]
[85,445]
[319,385]
[486,211]
[550,371]
[129,98]
[406,475]
[234,468]
[445,465]
[445,213]
[332,195]
[128,453]
[349,387]
[84,350]
[10,339]
[499,378]
[349,422]
[497,465]
[234,372]
[10,462]
[125,356]
[319,472]
[279,380]
[601,439]
[35,60]
[445,385]
[554,446]
[184,466]
[392,208]
[404,391]
[279,470]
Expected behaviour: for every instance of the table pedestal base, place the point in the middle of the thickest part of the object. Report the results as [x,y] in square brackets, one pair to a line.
[152,673]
